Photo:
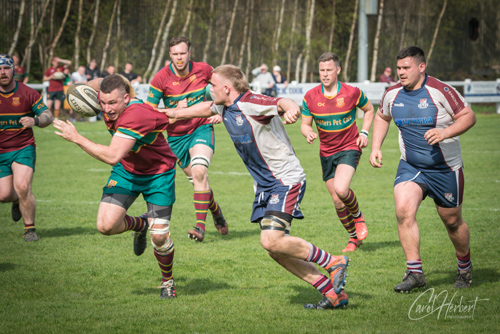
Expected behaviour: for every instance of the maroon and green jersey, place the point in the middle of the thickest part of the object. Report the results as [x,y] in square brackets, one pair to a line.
[171,88]
[19,73]
[55,85]
[151,153]
[335,117]
[22,101]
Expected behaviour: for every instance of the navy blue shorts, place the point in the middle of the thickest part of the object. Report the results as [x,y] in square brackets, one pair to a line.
[284,199]
[445,187]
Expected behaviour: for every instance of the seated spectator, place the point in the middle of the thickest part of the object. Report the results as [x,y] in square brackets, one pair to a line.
[264,79]
[278,77]
[386,77]
[130,75]
[109,71]
[92,72]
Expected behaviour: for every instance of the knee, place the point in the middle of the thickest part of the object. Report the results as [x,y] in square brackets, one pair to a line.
[23,189]
[158,240]
[199,173]
[341,192]
[453,223]
[104,227]
[404,216]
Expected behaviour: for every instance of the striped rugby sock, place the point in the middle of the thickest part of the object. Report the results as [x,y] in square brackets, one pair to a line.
[323,285]
[318,256]
[415,266]
[464,262]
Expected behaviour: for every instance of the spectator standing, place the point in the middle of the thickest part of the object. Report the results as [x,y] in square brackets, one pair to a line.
[387,77]
[20,74]
[131,75]
[91,71]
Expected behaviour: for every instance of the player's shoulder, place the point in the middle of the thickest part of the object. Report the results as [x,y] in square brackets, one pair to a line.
[201,65]
[437,84]
[313,92]
[25,89]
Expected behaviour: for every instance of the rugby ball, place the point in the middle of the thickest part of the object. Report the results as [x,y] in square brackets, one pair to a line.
[83,100]
[59,76]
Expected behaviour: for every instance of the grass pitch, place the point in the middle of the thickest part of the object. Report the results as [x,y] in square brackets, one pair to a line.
[75,280]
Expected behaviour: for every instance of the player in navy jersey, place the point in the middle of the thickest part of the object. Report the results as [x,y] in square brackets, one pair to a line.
[142,164]
[21,108]
[430,116]
[254,124]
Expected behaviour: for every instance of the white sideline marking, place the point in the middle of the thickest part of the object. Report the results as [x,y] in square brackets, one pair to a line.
[230,173]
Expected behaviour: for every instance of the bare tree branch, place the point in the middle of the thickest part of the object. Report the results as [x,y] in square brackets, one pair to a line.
[19,24]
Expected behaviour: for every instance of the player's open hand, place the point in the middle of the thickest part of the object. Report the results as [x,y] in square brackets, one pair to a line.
[434,136]
[215,119]
[376,158]
[66,130]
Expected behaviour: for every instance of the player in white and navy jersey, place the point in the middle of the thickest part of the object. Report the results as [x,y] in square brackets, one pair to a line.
[259,136]
[430,115]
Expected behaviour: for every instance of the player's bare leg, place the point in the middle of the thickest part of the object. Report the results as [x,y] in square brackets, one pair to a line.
[110,219]
[291,253]
[459,234]
[203,196]
[407,197]
[22,181]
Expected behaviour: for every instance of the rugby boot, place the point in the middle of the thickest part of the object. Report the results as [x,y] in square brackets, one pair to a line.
[330,302]
[337,269]
[167,289]
[15,211]
[352,245]
[410,281]
[197,234]
[361,230]
[140,242]
[30,235]
[220,223]
[464,279]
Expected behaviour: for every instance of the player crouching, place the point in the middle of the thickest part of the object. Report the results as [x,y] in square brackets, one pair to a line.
[142,164]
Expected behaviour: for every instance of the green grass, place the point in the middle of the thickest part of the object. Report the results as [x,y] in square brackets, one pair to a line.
[75,280]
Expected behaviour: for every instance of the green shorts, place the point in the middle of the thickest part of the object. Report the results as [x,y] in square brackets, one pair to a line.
[329,164]
[59,95]
[182,144]
[25,156]
[158,189]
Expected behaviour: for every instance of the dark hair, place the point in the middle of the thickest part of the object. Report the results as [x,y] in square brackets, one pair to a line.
[327,56]
[178,40]
[235,76]
[414,52]
[112,82]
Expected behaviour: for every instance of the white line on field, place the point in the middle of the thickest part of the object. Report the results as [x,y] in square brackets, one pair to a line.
[230,173]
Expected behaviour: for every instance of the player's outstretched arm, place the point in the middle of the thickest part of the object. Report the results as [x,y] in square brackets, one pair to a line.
[464,120]
[291,110]
[111,154]
[307,130]
[198,110]
[380,128]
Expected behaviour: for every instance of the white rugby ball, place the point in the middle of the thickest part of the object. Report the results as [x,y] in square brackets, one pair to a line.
[59,76]
[83,100]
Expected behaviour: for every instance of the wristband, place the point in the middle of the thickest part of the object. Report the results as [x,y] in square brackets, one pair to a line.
[364,133]
[36,121]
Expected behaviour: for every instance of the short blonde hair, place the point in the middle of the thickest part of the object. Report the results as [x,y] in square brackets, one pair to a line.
[235,75]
